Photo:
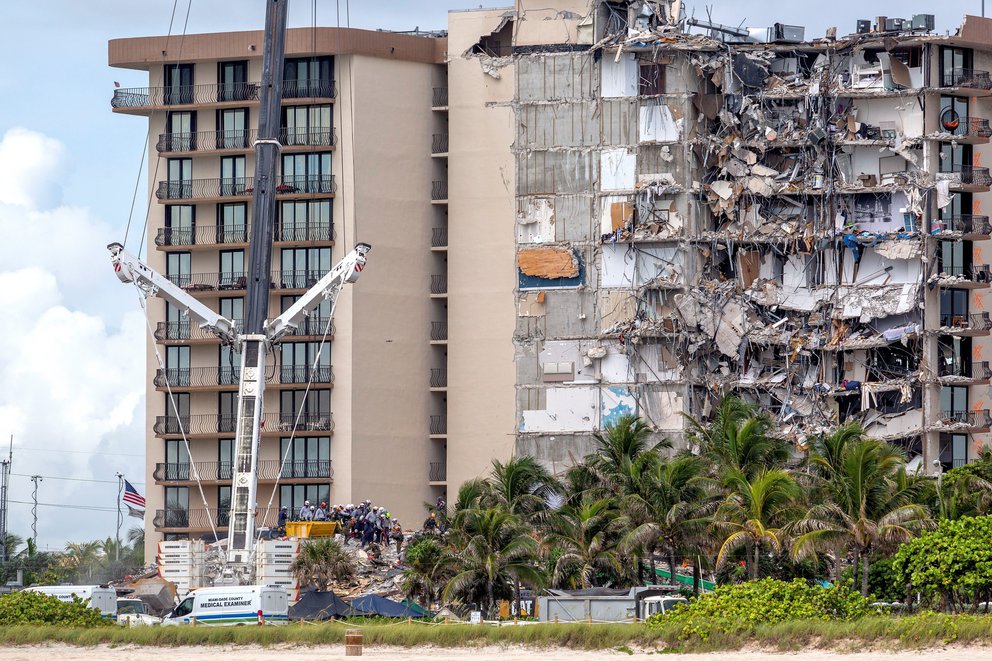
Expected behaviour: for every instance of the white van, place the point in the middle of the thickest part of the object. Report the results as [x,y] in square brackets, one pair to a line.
[660,604]
[101,597]
[229,605]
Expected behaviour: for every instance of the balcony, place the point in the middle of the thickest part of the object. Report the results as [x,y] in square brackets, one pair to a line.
[183,95]
[971,420]
[202,235]
[439,99]
[220,471]
[211,424]
[303,232]
[439,331]
[439,237]
[290,374]
[971,130]
[968,227]
[972,277]
[242,187]
[439,378]
[964,373]
[309,89]
[241,140]
[967,178]
[199,519]
[437,472]
[314,326]
[185,332]
[302,137]
[439,284]
[307,184]
[439,425]
[967,78]
[183,378]
[199,283]
[439,191]
[439,144]
[965,325]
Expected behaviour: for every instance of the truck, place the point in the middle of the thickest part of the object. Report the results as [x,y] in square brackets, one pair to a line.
[101,597]
[133,613]
[231,605]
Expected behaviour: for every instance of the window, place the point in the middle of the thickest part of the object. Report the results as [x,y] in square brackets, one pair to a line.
[955,66]
[232,175]
[316,323]
[223,505]
[306,456]
[178,84]
[180,131]
[955,158]
[308,77]
[954,403]
[305,220]
[225,459]
[229,362]
[176,460]
[232,128]
[177,415]
[307,125]
[180,184]
[177,366]
[233,309]
[293,496]
[233,81]
[954,356]
[177,268]
[313,409]
[652,79]
[176,323]
[176,507]
[298,359]
[184,608]
[954,308]
[953,450]
[227,411]
[232,223]
[953,117]
[306,173]
[232,270]
[303,267]
[179,224]
[954,258]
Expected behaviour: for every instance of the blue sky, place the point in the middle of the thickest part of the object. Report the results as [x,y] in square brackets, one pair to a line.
[71,363]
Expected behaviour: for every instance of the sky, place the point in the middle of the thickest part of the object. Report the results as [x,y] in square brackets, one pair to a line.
[72,337]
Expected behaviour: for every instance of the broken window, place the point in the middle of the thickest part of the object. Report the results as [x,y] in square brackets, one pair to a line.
[891,401]
[499,43]
[652,79]
[614,18]
[954,356]
[891,363]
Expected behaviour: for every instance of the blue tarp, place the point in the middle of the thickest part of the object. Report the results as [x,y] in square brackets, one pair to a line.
[320,606]
[374,605]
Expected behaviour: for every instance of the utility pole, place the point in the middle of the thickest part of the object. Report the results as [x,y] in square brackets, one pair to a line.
[120,518]
[4,481]
[34,508]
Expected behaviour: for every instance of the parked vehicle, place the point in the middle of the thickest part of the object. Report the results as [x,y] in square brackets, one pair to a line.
[660,605]
[231,605]
[101,597]
[134,613]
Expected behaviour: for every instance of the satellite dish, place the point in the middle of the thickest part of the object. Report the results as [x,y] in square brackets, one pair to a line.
[950,120]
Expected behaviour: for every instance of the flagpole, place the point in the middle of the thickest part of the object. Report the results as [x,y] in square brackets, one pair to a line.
[120,489]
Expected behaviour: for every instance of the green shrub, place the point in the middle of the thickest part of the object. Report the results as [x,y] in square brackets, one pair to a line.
[738,608]
[36,608]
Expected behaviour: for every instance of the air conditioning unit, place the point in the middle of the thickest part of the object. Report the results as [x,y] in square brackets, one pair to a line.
[789,33]
[925,22]
[864,26]
[894,24]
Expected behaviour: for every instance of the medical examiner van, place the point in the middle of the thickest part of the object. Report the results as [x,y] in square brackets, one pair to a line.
[230,605]
[101,597]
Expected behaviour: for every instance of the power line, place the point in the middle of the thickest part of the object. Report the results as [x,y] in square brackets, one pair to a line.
[75,479]
[98,453]
[94,508]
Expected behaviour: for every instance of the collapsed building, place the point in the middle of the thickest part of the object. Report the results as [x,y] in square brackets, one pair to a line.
[704,210]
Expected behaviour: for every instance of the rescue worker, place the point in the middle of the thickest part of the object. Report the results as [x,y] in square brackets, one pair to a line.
[304,510]
[430,525]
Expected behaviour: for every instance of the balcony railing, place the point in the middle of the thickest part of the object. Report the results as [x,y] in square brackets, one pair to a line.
[973,78]
[202,235]
[196,377]
[296,279]
[437,471]
[976,321]
[200,519]
[963,224]
[191,189]
[307,184]
[304,231]
[439,425]
[308,89]
[305,374]
[439,330]
[973,273]
[313,327]
[303,137]
[972,127]
[185,330]
[439,191]
[440,97]
[172,95]
[200,282]
[439,237]
[439,283]
[268,469]
[978,419]
[242,139]
[976,370]
[211,423]
[970,175]
[439,143]
[439,377]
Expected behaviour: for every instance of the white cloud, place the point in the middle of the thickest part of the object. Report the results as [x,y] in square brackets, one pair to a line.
[72,363]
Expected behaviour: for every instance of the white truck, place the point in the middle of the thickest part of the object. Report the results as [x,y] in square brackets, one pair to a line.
[231,605]
[134,613]
[101,597]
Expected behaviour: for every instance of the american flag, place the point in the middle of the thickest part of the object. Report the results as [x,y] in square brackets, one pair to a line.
[131,495]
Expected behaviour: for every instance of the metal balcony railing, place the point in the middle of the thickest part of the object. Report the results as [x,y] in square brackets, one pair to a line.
[191,189]
[309,89]
[976,321]
[970,175]
[199,282]
[211,423]
[438,471]
[977,370]
[305,374]
[308,137]
[202,235]
[196,377]
[206,140]
[315,468]
[973,78]
[439,143]
[310,422]
[979,419]
[439,377]
[439,425]
[439,237]
[973,273]
[963,224]
[308,184]
[439,283]
[268,469]
[439,330]
[184,330]
[199,519]
[439,190]
[303,231]
[296,279]
[313,327]
[173,95]
[972,127]
[440,97]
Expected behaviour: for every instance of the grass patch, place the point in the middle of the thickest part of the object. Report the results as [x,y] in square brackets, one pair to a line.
[870,633]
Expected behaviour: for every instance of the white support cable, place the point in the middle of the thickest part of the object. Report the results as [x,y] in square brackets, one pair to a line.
[175,409]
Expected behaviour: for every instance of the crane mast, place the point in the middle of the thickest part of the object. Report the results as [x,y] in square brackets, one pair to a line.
[256,340]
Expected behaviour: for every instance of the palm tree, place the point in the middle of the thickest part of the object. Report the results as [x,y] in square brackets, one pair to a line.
[671,504]
[80,556]
[496,551]
[10,545]
[321,563]
[427,570]
[622,451]
[754,512]
[867,505]
[739,438]
[587,539]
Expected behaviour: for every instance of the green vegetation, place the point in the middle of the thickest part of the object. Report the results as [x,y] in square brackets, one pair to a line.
[36,608]
[323,563]
[81,563]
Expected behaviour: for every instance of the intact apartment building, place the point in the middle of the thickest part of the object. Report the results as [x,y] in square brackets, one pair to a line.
[578,209]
